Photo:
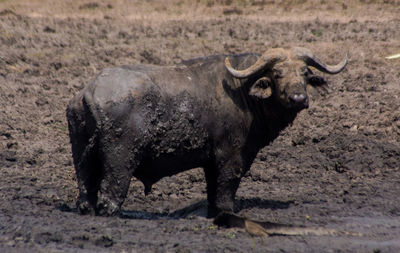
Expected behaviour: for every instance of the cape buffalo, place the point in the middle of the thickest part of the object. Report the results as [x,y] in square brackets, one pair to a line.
[155,121]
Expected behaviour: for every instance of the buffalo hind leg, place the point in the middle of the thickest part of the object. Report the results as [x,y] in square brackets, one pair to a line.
[86,163]
[89,174]
[114,185]
[211,181]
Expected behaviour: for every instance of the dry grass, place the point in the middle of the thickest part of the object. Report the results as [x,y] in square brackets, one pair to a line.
[161,10]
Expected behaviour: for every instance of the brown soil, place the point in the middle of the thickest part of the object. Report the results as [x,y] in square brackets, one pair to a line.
[335,168]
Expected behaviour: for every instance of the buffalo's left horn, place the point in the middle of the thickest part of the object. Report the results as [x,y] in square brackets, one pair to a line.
[267,60]
[309,58]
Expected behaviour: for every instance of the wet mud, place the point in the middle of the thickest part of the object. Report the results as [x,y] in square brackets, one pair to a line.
[336,168]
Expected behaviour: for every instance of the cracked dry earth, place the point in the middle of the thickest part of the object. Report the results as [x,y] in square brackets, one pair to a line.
[335,169]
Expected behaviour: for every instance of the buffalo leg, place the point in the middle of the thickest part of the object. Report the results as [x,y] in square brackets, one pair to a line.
[211,181]
[225,194]
[89,174]
[115,183]
[222,183]
[87,167]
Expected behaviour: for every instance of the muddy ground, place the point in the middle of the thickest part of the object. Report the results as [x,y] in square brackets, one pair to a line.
[336,167]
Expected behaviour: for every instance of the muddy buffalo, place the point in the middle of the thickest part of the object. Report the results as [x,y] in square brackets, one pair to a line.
[214,112]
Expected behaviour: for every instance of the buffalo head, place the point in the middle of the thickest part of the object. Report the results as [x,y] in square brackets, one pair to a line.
[284,74]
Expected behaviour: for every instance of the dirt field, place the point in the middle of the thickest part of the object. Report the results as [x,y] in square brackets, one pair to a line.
[336,168]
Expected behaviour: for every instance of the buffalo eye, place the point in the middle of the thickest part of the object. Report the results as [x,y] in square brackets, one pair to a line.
[316,80]
[278,73]
[263,84]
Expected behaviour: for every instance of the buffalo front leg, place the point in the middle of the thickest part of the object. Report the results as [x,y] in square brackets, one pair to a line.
[222,183]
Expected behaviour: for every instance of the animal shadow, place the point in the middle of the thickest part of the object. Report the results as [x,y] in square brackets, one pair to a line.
[246,203]
[200,209]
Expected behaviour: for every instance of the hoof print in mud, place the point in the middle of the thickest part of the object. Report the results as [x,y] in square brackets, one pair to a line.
[48,237]
[104,241]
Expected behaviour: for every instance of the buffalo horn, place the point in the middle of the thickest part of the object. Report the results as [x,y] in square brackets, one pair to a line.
[268,59]
[309,58]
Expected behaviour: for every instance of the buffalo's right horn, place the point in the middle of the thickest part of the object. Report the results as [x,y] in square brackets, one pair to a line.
[267,60]
[310,59]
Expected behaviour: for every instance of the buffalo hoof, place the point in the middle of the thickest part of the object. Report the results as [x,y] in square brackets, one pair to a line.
[107,208]
[84,207]
[229,220]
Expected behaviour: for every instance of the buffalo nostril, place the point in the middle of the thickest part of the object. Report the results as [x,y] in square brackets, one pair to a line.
[298,98]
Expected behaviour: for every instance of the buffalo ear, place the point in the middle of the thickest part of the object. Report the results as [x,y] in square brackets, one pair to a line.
[261,88]
[315,80]
[318,83]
